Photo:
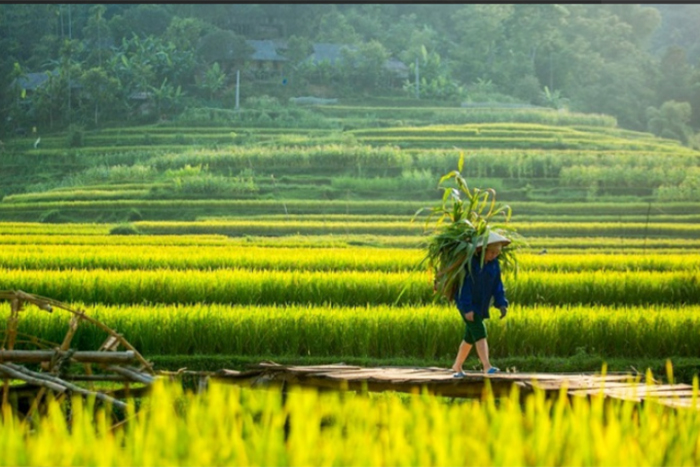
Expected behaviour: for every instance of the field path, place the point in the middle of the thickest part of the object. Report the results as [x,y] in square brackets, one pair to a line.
[440,381]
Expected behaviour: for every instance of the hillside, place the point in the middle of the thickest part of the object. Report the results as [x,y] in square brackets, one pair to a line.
[341,159]
[96,66]
[223,222]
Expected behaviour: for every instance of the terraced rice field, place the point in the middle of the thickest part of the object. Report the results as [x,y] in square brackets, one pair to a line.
[215,295]
[249,244]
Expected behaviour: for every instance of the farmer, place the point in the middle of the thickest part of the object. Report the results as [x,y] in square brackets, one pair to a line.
[474,299]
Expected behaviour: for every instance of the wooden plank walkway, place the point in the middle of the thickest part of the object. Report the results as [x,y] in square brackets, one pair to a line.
[440,381]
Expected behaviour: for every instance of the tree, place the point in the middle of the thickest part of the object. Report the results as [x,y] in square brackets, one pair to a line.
[70,69]
[218,15]
[477,42]
[185,33]
[99,91]
[644,20]
[677,27]
[15,109]
[436,80]
[214,80]
[405,38]
[553,98]
[609,72]
[223,47]
[298,49]
[671,121]
[335,28]
[22,25]
[695,99]
[98,36]
[675,76]
[366,21]
[363,67]
[527,88]
[48,101]
[167,98]
[531,45]
[143,63]
[134,70]
[148,19]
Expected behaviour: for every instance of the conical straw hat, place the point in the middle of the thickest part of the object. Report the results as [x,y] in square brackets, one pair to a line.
[497,238]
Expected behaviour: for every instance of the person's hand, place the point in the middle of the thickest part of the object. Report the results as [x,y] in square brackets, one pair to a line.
[504,311]
[469,316]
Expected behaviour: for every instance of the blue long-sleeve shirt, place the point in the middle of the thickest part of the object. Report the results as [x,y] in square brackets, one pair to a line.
[480,287]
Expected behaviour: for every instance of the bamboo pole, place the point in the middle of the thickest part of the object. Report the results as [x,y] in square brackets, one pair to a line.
[131,374]
[43,382]
[93,378]
[25,374]
[72,328]
[47,304]
[91,356]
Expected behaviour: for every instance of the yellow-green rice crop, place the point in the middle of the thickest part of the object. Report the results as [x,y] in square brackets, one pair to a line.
[603,245]
[526,142]
[78,194]
[619,218]
[217,253]
[429,332]
[315,227]
[217,286]
[106,240]
[161,209]
[476,114]
[264,227]
[342,287]
[36,228]
[205,257]
[229,425]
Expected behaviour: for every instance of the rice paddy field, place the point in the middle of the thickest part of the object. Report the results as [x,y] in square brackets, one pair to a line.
[234,426]
[328,297]
[214,247]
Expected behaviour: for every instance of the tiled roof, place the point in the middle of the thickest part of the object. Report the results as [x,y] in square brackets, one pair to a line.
[327,52]
[264,51]
[32,81]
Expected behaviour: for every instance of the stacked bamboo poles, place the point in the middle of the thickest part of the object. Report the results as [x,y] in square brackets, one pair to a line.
[53,361]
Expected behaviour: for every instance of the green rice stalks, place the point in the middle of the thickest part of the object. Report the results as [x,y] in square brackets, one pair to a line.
[465,218]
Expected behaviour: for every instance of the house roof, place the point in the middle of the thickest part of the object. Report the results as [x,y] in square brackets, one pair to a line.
[264,51]
[332,53]
[140,95]
[327,52]
[397,67]
[33,81]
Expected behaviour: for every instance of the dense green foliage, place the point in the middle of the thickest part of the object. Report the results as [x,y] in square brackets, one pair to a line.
[149,252]
[141,63]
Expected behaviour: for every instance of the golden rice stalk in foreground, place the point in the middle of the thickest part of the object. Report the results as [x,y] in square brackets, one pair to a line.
[229,425]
